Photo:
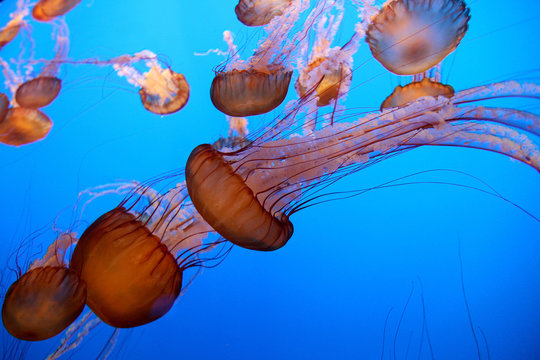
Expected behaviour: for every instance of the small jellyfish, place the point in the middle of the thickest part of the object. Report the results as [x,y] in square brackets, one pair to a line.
[43,302]
[38,92]
[23,126]
[174,99]
[259,12]
[330,83]
[411,36]
[162,91]
[403,95]
[8,33]
[47,10]
[131,277]
[249,92]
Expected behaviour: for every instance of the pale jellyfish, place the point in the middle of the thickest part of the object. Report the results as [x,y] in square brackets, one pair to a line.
[411,36]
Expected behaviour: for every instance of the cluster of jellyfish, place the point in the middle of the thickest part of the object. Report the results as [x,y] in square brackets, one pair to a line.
[34,83]
[128,266]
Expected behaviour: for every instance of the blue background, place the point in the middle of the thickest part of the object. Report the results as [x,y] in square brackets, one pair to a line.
[327,293]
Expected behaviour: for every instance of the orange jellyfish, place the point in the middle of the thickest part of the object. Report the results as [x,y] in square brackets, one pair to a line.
[172,101]
[23,126]
[128,258]
[38,92]
[248,195]
[47,10]
[132,279]
[8,33]
[403,95]
[43,302]
[411,36]
[260,84]
[229,205]
[327,74]
[47,298]
[249,92]
[162,91]
[259,12]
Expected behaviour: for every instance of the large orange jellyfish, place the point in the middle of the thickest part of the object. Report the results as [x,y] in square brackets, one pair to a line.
[46,299]
[248,195]
[133,261]
[410,36]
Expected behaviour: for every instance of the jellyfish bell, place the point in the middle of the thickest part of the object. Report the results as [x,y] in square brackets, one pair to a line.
[403,95]
[23,126]
[249,92]
[411,36]
[131,277]
[38,92]
[169,101]
[47,10]
[43,302]
[8,33]
[229,205]
[259,12]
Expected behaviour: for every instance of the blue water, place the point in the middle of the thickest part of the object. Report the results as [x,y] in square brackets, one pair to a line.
[326,294]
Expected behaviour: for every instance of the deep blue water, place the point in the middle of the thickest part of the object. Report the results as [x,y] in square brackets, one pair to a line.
[326,294]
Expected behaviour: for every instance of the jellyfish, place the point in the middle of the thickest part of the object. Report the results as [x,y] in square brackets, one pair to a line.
[405,94]
[259,12]
[12,28]
[249,92]
[38,92]
[260,84]
[248,195]
[23,126]
[133,260]
[162,91]
[47,10]
[8,33]
[43,302]
[46,299]
[24,123]
[410,36]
